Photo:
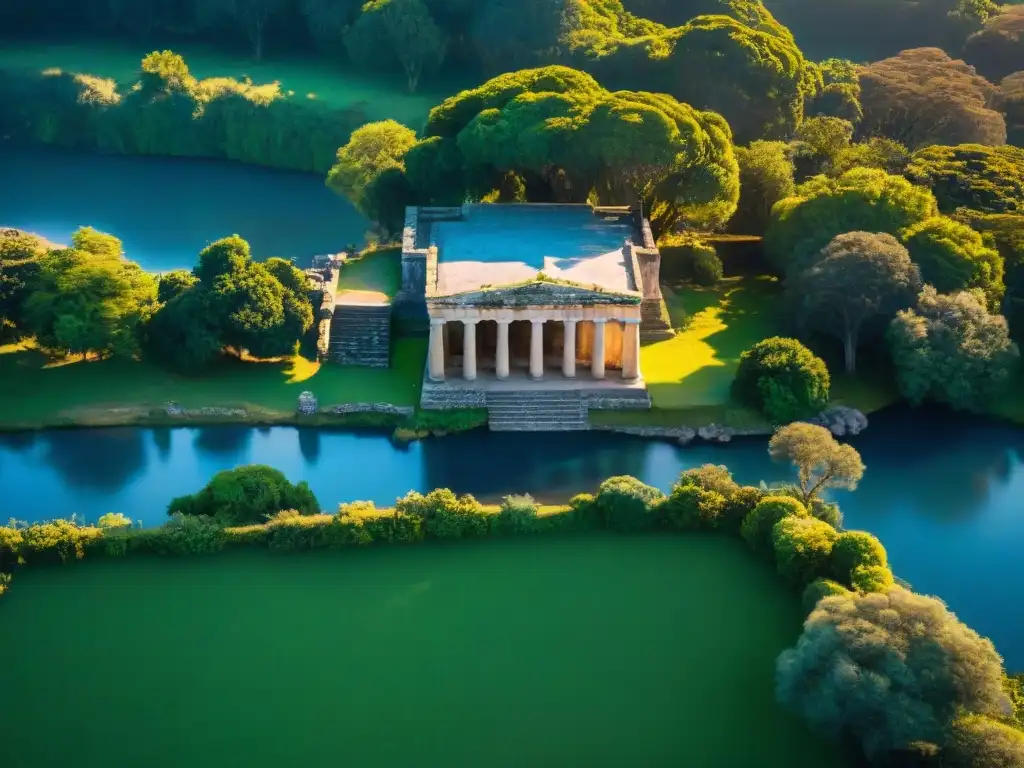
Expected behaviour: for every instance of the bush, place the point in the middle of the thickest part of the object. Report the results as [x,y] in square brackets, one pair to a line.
[113,521]
[977,741]
[181,535]
[826,511]
[5,583]
[691,508]
[854,549]
[626,504]
[782,379]
[819,589]
[249,494]
[738,505]
[802,548]
[58,540]
[710,477]
[445,515]
[872,578]
[11,540]
[518,515]
[696,260]
[758,527]
[585,512]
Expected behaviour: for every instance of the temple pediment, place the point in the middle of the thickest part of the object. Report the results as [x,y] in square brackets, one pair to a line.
[537,293]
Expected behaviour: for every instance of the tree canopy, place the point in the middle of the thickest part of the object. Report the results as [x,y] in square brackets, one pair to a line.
[981,178]
[782,379]
[861,277]
[889,669]
[951,350]
[820,460]
[570,140]
[402,31]
[953,257]
[923,96]
[766,176]
[997,49]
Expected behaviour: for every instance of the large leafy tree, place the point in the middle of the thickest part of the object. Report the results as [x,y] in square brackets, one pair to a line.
[571,140]
[951,350]
[249,494]
[861,277]
[821,461]
[370,171]
[981,178]
[953,257]
[402,30]
[90,303]
[888,670]
[923,97]
[861,200]
[19,268]
[1012,91]
[997,49]
[766,176]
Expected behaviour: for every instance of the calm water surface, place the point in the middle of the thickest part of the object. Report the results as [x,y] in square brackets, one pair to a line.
[943,493]
[166,210]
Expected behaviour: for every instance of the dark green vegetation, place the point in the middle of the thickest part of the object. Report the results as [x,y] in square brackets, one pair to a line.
[782,379]
[445,645]
[921,655]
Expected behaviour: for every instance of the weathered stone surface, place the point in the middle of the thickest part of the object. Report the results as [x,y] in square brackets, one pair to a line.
[683,435]
[537,293]
[307,403]
[175,409]
[388,408]
[537,411]
[438,397]
[841,420]
[716,433]
[361,335]
[620,400]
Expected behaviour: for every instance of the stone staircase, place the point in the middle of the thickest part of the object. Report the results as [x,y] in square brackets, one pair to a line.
[361,335]
[537,411]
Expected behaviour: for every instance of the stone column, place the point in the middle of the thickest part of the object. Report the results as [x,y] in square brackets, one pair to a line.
[631,349]
[469,349]
[502,351]
[597,362]
[436,349]
[569,349]
[537,349]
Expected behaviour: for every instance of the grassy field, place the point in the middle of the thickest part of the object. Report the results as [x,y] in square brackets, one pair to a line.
[379,97]
[375,276]
[529,652]
[36,391]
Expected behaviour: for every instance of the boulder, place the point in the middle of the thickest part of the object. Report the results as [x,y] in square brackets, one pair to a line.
[307,403]
[841,420]
[714,433]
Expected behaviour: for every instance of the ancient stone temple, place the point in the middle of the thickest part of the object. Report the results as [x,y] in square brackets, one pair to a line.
[536,312]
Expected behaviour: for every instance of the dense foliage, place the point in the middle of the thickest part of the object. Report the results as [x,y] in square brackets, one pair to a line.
[997,49]
[951,350]
[889,670]
[249,494]
[766,176]
[782,379]
[981,178]
[821,462]
[861,279]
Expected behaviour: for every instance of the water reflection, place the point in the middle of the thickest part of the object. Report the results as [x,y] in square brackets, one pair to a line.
[105,460]
[309,445]
[223,441]
[162,442]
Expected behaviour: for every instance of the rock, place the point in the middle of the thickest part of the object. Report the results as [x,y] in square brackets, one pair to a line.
[388,408]
[713,433]
[307,403]
[687,436]
[174,409]
[841,420]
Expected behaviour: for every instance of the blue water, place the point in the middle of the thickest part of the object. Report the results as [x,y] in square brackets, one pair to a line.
[943,493]
[165,210]
[528,234]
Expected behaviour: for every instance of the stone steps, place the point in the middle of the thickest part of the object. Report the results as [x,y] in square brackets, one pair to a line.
[361,335]
[536,411]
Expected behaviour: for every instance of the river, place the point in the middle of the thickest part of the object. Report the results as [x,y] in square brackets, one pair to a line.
[165,210]
[942,492]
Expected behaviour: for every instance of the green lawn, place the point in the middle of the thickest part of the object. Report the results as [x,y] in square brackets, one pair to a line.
[36,391]
[575,651]
[379,97]
[376,275]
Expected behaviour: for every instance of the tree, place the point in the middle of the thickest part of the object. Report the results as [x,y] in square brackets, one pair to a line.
[983,179]
[874,152]
[173,284]
[953,257]
[373,158]
[516,34]
[627,504]
[820,460]
[19,269]
[249,494]
[839,95]
[327,21]
[861,277]
[997,49]
[856,550]
[758,527]
[977,741]
[184,333]
[923,97]
[85,303]
[782,379]
[253,17]
[802,547]
[402,28]
[861,200]
[571,140]
[98,244]
[766,176]
[818,144]
[951,350]
[1012,91]
[888,670]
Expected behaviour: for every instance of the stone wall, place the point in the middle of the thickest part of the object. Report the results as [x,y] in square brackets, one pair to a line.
[324,315]
[440,397]
[410,305]
[385,408]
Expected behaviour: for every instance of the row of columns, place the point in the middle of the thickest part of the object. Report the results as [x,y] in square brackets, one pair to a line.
[630,349]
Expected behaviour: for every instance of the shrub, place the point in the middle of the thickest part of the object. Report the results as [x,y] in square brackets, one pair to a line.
[872,578]
[626,504]
[758,526]
[826,511]
[819,589]
[181,535]
[518,515]
[585,512]
[888,670]
[802,548]
[445,515]
[977,741]
[113,521]
[5,583]
[697,261]
[692,508]
[854,549]
[249,494]
[782,379]
[710,477]
[58,540]
[11,540]
[738,505]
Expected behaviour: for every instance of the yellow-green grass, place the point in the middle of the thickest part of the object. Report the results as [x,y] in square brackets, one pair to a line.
[375,275]
[380,97]
[38,391]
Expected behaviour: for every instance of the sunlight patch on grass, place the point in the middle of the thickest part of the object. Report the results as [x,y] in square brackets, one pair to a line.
[300,369]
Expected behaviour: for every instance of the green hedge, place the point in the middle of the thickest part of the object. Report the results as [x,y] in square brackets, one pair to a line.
[218,118]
